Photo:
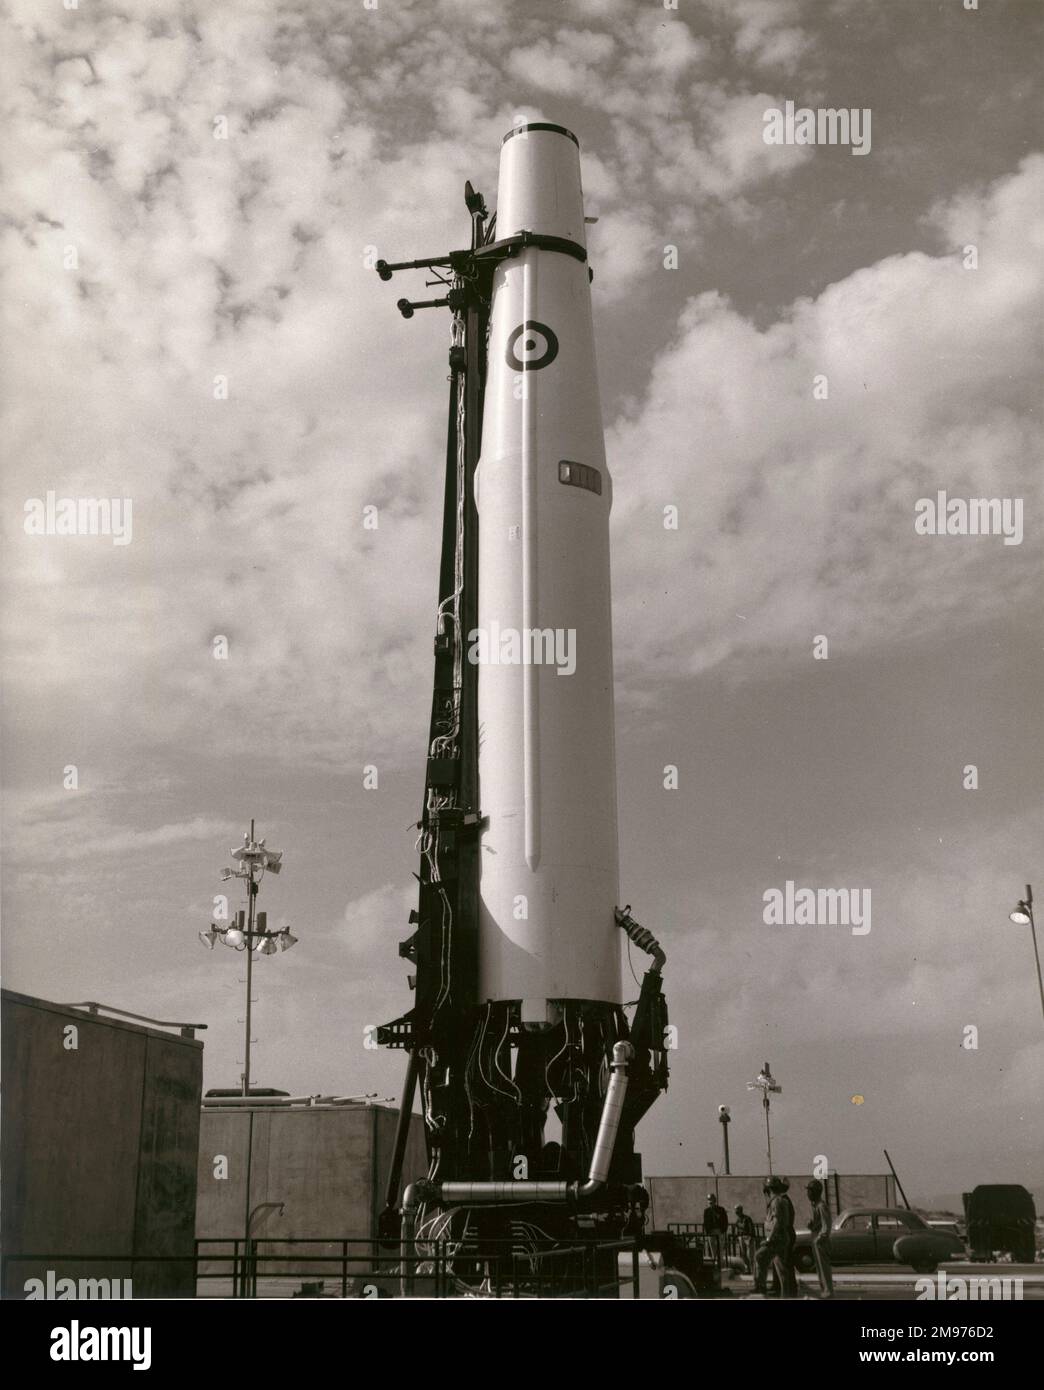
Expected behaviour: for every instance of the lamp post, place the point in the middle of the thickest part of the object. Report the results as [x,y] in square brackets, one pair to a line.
[1022,916]
[250,1254]
[765,1083]
[724,1118]
[254,860]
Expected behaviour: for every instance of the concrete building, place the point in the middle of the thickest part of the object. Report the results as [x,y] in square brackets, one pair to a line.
[100,1134]
[325,1163]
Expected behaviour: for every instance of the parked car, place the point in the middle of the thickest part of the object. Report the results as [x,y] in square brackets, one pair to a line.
[871,1235]
[947,1224]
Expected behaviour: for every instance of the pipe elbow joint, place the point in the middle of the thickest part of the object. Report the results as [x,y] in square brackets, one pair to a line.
[416,1194]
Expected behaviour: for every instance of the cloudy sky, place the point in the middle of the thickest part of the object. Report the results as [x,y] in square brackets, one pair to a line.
[147,256]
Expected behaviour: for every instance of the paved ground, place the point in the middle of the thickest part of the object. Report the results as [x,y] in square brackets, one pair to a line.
[876,1283]
[872,1283]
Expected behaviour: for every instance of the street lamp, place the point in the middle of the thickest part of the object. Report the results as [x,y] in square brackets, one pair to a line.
[254,860]
[250,1246]
[724,1117]
[1022,916]
[765,1083]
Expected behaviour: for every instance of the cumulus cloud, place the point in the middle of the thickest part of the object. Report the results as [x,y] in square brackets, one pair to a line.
[566,64]
[371,920]
[195,210]
[766,32]
[796,513]
[48,845]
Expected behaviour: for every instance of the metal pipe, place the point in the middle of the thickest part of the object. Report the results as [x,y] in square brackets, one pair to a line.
[895,1175]
[221,1102]
[402,1130]
[642,938]
[1033,933]
[411,1202]
[609,1125]
[251,909]
[470,1194]
[474,1194]
[489,1193]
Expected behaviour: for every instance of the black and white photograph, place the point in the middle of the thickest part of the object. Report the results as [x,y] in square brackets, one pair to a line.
[523,681]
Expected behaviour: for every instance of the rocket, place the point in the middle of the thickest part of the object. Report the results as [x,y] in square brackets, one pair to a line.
[547,763]
[531,1074]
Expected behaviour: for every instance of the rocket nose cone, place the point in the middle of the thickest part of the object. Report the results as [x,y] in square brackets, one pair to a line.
[539,188]
[525,128]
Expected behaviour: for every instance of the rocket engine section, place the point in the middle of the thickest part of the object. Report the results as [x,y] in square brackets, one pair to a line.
[547,769]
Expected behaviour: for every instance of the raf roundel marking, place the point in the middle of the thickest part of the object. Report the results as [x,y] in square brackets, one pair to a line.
[538,348]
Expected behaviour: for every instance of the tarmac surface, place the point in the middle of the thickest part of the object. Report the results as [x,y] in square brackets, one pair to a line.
[869,1283]
[890,1282]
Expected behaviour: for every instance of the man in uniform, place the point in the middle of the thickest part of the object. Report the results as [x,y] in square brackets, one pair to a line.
[743,1225]
[715,1228]
[819,1225]
[778,1248]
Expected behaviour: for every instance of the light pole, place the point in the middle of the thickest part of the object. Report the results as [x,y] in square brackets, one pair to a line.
[1023,916]
[250,1258]
[254,860]
[765,1083]
[723,1119]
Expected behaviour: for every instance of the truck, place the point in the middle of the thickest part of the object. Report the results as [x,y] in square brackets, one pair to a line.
[1000,1218]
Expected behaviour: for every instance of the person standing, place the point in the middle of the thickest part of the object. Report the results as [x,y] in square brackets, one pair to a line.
[819,1225]
[778,1247]
[715,1226]
[743,1225]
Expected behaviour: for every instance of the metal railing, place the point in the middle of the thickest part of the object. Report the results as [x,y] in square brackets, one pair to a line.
[363,1267]
[692,1235]
[370,1268]
[240,1263]
[188,1030]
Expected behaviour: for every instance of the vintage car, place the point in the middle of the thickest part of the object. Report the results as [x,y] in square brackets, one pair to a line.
[871,1235]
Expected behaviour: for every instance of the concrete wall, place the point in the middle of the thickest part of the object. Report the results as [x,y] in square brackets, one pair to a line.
[328,1165]
[684,1198]
[99,1147]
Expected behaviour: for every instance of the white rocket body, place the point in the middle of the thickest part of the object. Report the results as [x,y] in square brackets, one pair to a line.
[547,766]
